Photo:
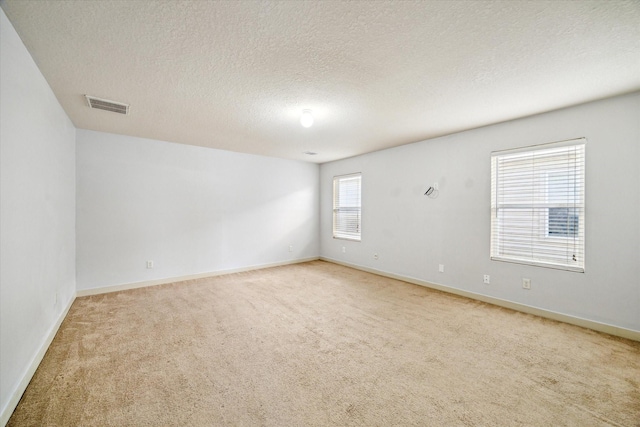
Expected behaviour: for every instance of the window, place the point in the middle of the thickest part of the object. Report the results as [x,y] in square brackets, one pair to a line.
[346,206]
[537,205]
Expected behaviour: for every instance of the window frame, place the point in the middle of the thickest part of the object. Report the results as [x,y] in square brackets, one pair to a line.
[344,233]
[506,222]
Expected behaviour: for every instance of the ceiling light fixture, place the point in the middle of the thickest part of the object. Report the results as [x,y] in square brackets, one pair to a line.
[306,119]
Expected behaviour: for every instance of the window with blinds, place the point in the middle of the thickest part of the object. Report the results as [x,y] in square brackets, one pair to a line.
[346,206]
[537,205]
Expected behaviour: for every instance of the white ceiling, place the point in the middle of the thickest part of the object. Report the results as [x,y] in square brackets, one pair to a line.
[236,75]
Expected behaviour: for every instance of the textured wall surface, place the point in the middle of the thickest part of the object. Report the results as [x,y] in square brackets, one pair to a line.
[190,210]
[37,212]
[413,234]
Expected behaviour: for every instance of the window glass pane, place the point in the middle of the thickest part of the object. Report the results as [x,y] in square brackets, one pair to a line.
[563,222]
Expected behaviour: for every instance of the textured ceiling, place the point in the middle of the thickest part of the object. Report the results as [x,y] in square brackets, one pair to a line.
[236,75]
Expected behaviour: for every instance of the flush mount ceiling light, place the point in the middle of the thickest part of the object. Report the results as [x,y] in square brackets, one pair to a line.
[306,119]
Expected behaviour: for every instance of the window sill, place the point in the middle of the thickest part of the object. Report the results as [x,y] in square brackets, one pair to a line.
[352,239]
[540,264]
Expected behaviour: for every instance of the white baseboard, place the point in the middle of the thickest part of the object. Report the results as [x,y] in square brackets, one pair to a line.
[144,284]
[585,323]
[33,365]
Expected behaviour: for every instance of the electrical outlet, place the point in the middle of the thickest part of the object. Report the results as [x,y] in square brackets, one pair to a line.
[149,264]
[290,248]
[375,256]
[441,268]
[526,283]
[344,249]
[487,279]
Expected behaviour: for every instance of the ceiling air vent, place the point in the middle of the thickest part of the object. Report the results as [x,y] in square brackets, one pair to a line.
[105,104]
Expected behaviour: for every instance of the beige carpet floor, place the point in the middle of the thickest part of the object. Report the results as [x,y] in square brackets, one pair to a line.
[318,344]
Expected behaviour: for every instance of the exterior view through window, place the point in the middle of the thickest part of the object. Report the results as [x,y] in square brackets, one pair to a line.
[347,206]
[537,205]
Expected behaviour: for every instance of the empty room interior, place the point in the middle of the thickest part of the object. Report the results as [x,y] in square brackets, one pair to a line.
[283,213]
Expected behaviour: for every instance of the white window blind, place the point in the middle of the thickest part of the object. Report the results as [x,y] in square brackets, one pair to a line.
[347,206]
[537,205]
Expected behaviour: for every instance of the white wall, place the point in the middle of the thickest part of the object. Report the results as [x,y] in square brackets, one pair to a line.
[37,213]
[413,234]
[188,209]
